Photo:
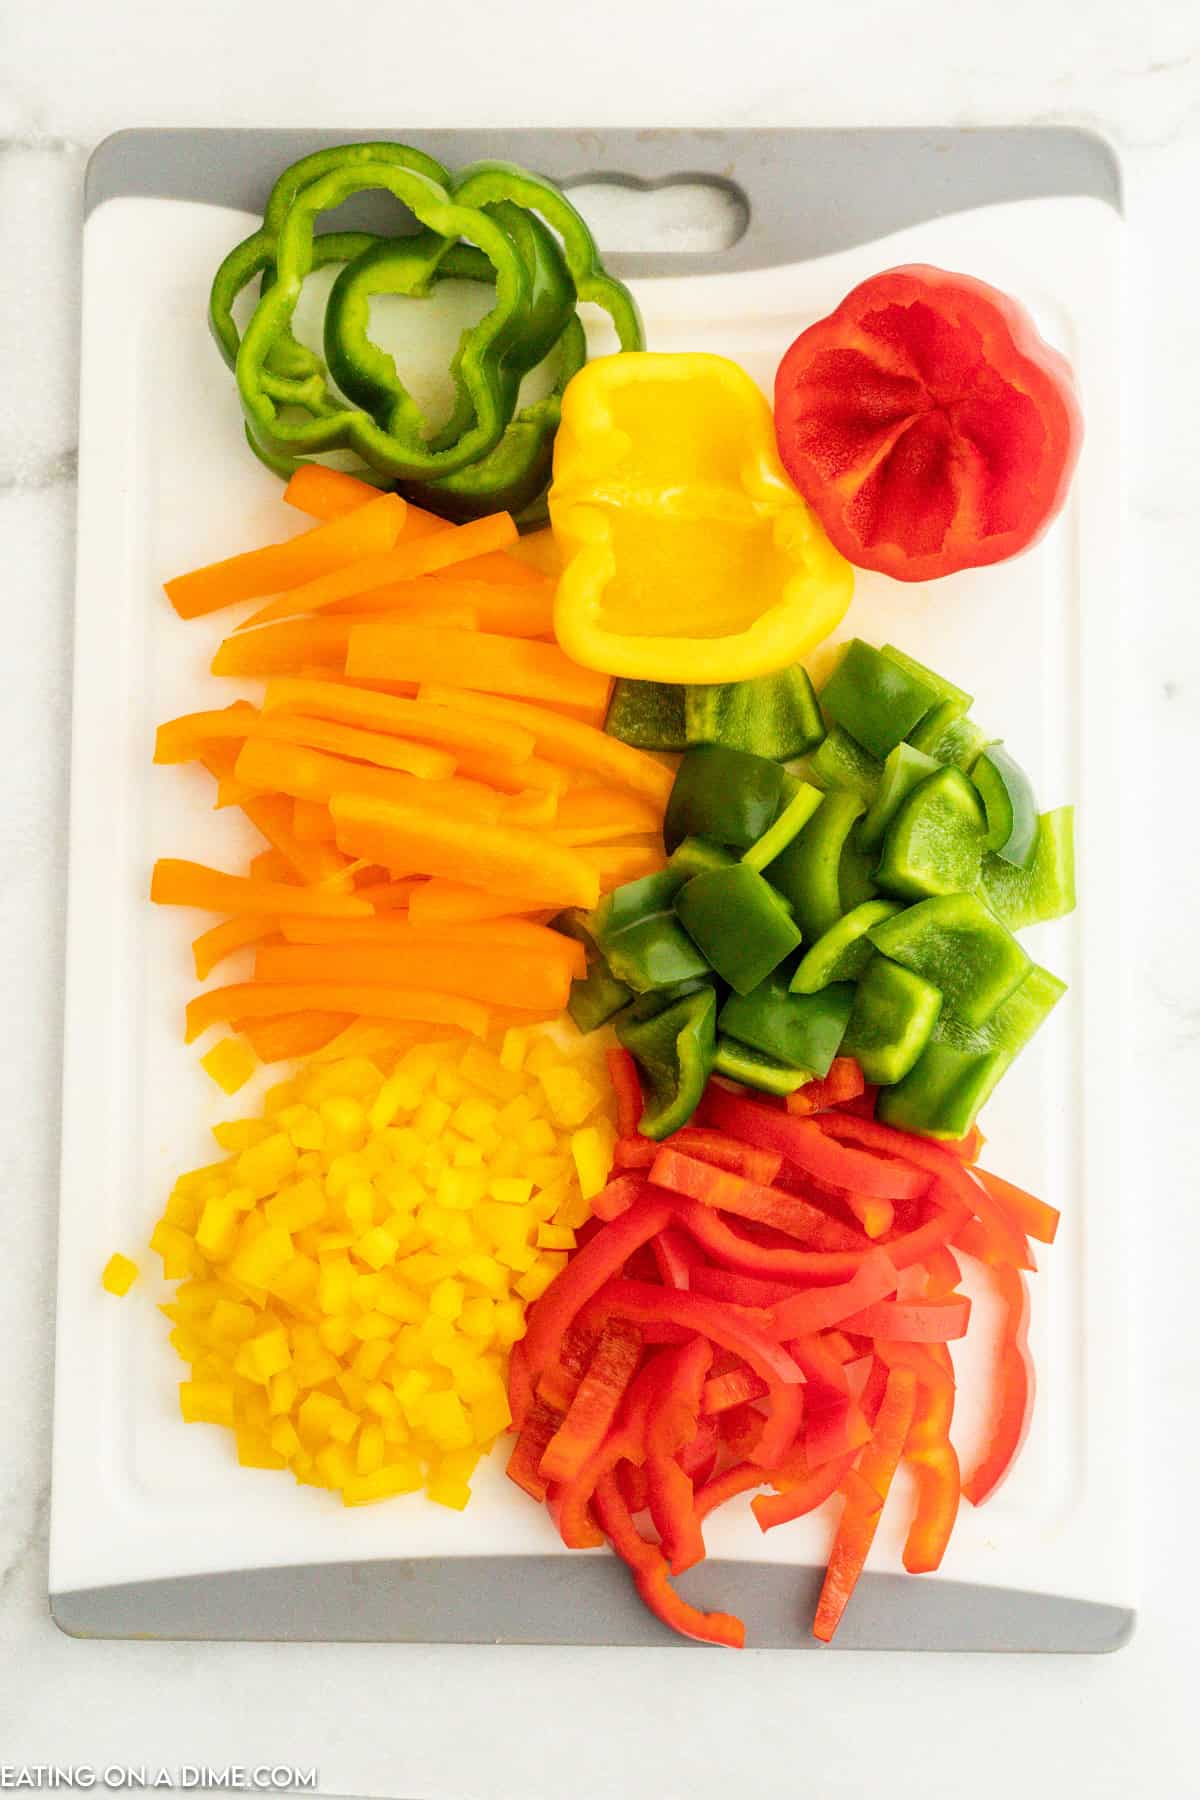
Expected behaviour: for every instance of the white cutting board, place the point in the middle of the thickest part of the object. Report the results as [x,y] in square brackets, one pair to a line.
[155,1528]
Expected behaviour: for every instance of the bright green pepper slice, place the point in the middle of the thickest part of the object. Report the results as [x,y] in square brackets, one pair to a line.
[739,922]
[697,856]
[874,699]
[950,737]
[893,1018]
[807,872]
[647,714]
[1046,889]
[841,763]
[797,811]
[675,1050]
[640,938]
[944,690]
[804,1031]
[726,795]
[904,769]
[753,1069]
[954,942]
[934,843]
[842,952]
[775,715]
[1007,795]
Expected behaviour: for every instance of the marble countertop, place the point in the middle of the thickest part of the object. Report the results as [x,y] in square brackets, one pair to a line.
[546,1723]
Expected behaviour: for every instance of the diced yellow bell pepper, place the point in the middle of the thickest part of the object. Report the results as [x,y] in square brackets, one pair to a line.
[119,1274]
[231,1063]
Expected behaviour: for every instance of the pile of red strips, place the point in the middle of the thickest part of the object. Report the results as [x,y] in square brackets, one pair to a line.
[765,1300]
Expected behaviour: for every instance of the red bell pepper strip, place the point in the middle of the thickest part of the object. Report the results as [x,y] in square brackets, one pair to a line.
[805,1143]
[739,1289]
[632,1482]
[913,1321]
[619,1194]
[627,1087]
[1008,1242]
[820,1363]
[747,1199]
[967,1149]
[1014,1389]
[738,1478]
[734,1388]
[804,1494]
[820,1308]
[699,1458]
[740,1429]
[673,1421]
[558,1384]
[867,1489]
[676,1258]
[636,1152]
[782,1423]
[817,1266]
[942,1273]
[931,1456]
[986,1245]
[524,1464]
[570,1501]
[843,1082]
[594,1407]
[520,1386]
[585,1275]
[734,1328]
[875,1216]
[650,1574]
[1031,1215]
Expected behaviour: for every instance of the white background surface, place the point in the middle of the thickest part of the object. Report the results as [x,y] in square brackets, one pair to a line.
[458,1722]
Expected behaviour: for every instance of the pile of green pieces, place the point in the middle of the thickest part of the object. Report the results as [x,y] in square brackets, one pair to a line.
[845,877]
[493,223]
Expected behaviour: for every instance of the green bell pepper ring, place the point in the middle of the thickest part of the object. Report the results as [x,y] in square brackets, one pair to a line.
[954,942]
[647,714]
[487,183]
[481,358]
[739,922]
[934,843]
[891,1022]
[773,715]
[874,699]
[674,1051]
[903,769]
[843,952]
[804,1031]
[807,871]
[726,795]
[756,1070]
[1008,801]
[640,938]
[798,810]
[1046,889]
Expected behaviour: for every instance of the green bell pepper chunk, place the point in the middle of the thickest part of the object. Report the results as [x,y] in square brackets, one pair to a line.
[950,737]
[954,942]
[1008,802]
[675,1050]
[807,871]
[856,876]
[740,1063]
[841,763]
[934,844]
[874,699]
[1046,889]
[775,715]
[804,1031]
[726,795]
[842,952]
[647,714]
[944,1090]
[893,1018]
[944,690]
[903,770]
[698,856]
[739,922]
[640,938]
[597,997]
[797,811]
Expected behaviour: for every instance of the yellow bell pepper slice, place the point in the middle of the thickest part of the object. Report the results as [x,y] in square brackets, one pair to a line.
[688,555]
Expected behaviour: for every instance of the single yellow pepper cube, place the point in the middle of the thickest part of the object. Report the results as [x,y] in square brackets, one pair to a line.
[554,1237]
[446,1299]
[402,1303]
[299,1204]
[485,1272]
[231,1320]
[344,1118]
[513,1048]
[381,1400]
[511,1190]
[490,1413]
[178,1251]
[119,1274]
[537,1139]
[314,1418]
[284,1438]
[240,1134]
[283,1390]
[334,1464]
[370,1450]
[510,1321]
[336,1334]
[206,1402]
[264,1166]
[231,1063]
[373,1325]
[509,1159]
[478,1317]
[592,1152]
[377,1247]
[401,1475]
[444,1490]
[255,1450]
[446,1421]
[343,1425]
[296,1283]
[335,1284]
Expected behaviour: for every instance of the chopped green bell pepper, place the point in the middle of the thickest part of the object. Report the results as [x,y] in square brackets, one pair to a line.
[797,811]
[740,923]
[806,873]
[892,1020]
[753,1069]
[874,699]
[647,714]
[775,715]
[903,770]
[1008,802]
[802,1030]
[950,737]
[934,843]
[675,1050]
[954,942]
[640,938]
[597,997]
[698,856]
[943,689]
[1046,889]
[841,763]
[726,795]
[842,952]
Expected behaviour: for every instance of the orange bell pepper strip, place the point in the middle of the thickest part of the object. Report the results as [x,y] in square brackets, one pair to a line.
[440,902]
[513,978]
[368,531]
[296,646]
[615,864]
[273,865]
[272,815]
[1013,1388]
[519,668]
[182,740]
[304,774]
[312,822]
[651,1575]
[487,935]
[255,1000]
[594,1405]
[376,747]
[605,813]
[220,941]
[403,563]
[867,1489]
[563,740]
[292,1034]
[930,1454]
[405,718]
[415,834]
[521,609]
[176,882]
[1029,1214]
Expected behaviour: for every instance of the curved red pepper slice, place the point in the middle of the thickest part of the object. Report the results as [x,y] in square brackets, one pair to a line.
[805,1143]
[913,1321]
[676,1258]
[927,424]
[929,1453]
[627,1087]
[584,1275]
[817,1266]
[1014,1388]
[820,1308]
[732,1193]
[650,1574]
[673,1421]
[867,1489]
[734,1328]
[804,1494]
[594,1406]
[844,1082]
[738,1478]
[1033,1216]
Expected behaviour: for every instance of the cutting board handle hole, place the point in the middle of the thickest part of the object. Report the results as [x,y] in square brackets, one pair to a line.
[685,215]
